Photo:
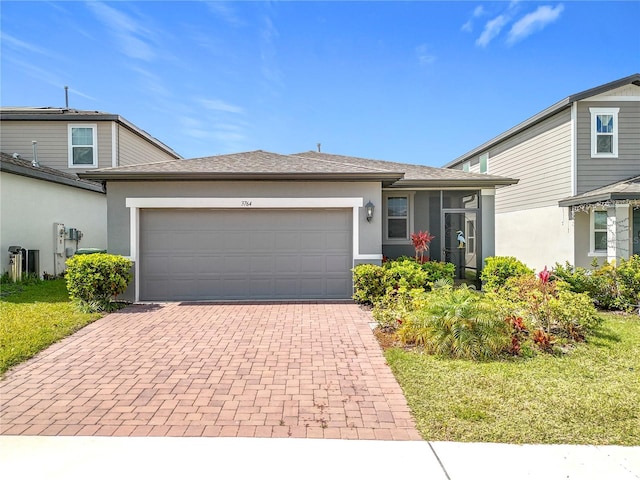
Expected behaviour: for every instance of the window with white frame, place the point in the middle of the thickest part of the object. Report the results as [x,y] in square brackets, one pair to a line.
[83,145]
[466,166]
[604,132]
[397,217]
[484,163]
[599,231]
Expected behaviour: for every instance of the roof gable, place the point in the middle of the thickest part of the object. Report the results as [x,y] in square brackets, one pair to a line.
[262,165]
[546,113]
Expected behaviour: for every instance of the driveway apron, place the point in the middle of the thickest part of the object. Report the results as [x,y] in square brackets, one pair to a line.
[303,370]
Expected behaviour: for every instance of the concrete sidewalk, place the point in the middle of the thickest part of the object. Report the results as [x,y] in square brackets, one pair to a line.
[69,458]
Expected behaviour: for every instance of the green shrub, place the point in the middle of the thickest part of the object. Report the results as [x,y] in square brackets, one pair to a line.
[439,271]
[578,279]
[629,278]
[392,310]
[610,286]
[497,270]
[95,280]
[372,282]
[545,306]
[368,283]
[405,272]
[459,323]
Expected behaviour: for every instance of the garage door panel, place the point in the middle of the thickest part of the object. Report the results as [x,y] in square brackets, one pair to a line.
[337,263]
[337,285]
[262,264]
[245,254]
[334,239]
[311,264]
[210,264]
[287,264]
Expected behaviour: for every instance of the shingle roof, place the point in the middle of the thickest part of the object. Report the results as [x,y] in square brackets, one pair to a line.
[20,166]
[625,190]
[73,115]
[415,174]
[262,165]
[546,113]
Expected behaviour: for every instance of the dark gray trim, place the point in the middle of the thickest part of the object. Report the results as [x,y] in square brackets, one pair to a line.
[50,177]
[603,197]
[452,183]
[543,115]
[174,176]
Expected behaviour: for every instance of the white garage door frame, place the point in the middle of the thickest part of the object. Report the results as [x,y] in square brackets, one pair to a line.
[136,204]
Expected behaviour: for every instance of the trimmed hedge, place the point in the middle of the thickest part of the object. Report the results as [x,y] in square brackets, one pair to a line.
[372,282]
[497,270]
[95,280]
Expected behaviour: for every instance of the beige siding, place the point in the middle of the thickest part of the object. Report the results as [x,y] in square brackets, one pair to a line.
[541,159]
[594,173]
[52,138]
[133,149]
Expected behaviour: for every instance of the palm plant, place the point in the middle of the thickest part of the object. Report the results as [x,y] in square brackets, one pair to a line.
[458,323]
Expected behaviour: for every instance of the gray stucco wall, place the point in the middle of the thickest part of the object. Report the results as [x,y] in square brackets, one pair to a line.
[118,215]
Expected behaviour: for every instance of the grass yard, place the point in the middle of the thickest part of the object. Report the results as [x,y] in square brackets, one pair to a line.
[590,396]
[35,316]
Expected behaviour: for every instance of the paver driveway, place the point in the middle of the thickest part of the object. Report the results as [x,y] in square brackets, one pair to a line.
[266,370]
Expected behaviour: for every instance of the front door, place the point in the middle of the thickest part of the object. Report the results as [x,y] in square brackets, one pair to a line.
[461,244]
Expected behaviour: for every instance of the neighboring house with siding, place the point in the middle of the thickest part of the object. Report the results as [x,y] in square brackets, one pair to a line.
[261,225]
[578,162]
[39,182]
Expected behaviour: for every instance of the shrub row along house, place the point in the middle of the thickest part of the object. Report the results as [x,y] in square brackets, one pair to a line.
[261,225]
[578,165]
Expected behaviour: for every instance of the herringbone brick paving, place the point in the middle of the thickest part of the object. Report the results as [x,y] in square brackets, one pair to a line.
[310,370]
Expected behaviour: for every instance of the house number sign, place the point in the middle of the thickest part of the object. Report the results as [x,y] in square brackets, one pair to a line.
[246,203]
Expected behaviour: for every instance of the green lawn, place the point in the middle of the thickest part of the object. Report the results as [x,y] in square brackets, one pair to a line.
[32,317]
[590,396]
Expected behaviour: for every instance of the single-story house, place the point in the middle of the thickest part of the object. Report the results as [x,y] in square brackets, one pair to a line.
[261,225]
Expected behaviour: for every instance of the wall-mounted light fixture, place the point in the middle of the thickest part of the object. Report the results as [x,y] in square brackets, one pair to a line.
[368,208]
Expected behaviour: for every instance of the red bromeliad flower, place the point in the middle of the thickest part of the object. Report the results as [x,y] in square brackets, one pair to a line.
[544,275]
[421,241]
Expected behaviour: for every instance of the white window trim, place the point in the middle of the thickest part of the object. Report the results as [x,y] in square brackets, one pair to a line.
[595,111]
[486,155]
[94,127]
[398,241]
[592,247]
[466,166]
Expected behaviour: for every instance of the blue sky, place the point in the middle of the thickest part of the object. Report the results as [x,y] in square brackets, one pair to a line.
[418,82]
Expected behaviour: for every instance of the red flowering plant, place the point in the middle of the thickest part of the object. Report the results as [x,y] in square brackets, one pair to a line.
[421,241]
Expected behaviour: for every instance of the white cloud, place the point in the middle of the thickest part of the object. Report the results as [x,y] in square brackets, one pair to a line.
[220,106]
[491,30]
[479,11]
[224,11]
[132,36]
[268,52]
[9,41]
[533,22]
[425,57]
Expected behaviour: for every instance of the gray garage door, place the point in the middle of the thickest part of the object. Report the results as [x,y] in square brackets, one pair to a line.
[245,254]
